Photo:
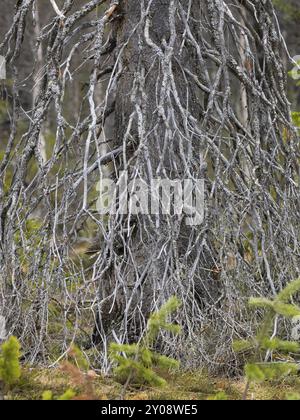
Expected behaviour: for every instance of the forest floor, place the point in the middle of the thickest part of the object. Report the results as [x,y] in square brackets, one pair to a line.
[181,386]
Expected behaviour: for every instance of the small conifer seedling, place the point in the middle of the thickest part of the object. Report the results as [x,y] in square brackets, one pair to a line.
[137,361]
[10,370]
[260,371]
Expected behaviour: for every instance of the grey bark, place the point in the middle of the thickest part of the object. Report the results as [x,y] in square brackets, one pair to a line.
[140,270]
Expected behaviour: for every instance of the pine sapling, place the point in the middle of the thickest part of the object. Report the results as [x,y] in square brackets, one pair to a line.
[137,361]
[10,370]
[262,343]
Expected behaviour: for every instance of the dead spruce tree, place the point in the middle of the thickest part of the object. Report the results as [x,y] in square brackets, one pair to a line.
[189,90]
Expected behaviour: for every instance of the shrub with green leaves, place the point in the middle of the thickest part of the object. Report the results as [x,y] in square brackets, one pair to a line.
[259,371]
[137,361]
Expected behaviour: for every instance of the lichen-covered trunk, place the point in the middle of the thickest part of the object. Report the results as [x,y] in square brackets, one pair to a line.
[183,75]
[157,105]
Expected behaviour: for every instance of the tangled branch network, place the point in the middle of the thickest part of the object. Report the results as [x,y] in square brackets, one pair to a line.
[178,89]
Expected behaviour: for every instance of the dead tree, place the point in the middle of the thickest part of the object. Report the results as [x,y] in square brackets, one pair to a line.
[179,72]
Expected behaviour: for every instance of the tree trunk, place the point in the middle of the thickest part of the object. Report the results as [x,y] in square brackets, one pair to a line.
[153,102]
[38,58]
[181,81]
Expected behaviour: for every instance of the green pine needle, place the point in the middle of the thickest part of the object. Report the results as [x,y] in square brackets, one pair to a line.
[137,361]
[10,370]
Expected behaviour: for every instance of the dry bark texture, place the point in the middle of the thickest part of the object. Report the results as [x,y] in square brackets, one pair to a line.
[192,89]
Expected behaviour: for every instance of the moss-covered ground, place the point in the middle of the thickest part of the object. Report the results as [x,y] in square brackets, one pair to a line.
[181,386]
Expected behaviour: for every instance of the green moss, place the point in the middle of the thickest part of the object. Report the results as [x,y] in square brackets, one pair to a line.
[192,386]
